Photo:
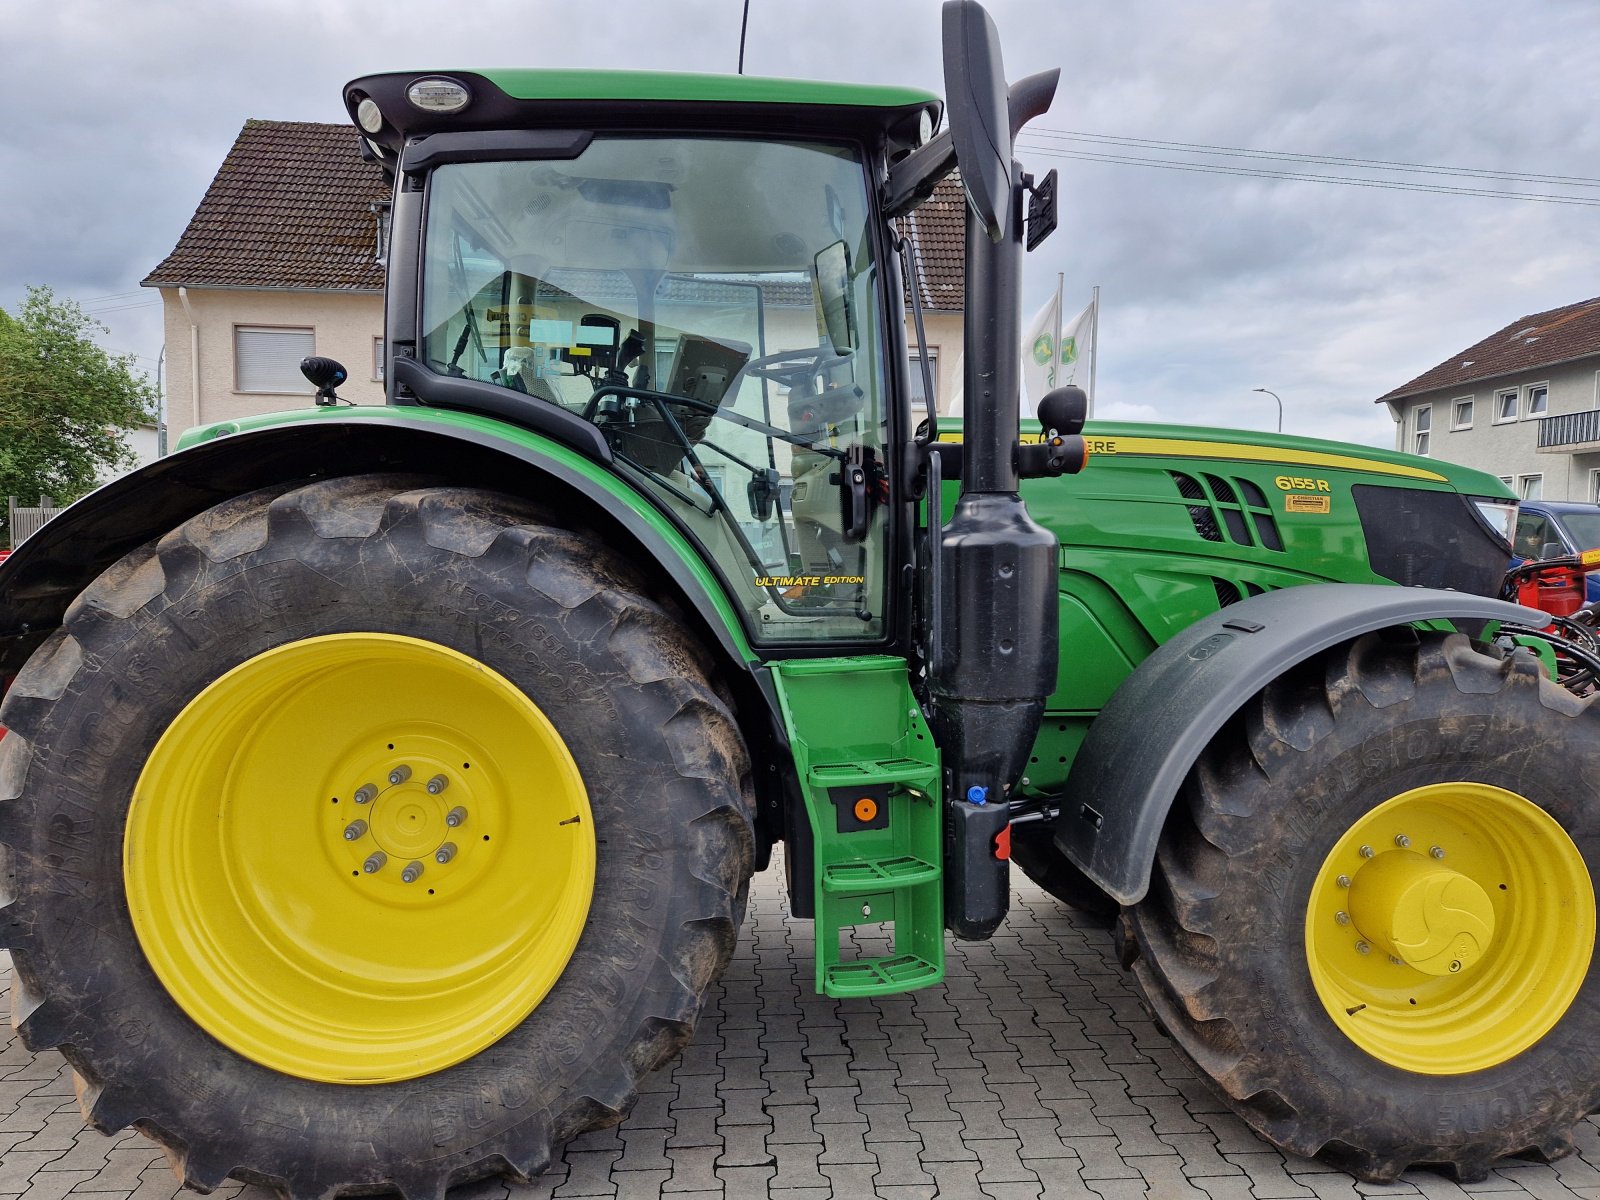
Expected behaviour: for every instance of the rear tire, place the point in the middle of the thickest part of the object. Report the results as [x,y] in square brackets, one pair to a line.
[435,573]
[1259,945]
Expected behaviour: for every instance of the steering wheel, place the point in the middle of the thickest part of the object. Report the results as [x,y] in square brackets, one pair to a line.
[794,368]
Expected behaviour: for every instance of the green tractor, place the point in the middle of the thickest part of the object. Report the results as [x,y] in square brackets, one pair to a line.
[384,785]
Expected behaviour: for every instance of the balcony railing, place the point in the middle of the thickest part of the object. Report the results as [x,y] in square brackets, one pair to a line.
[1570,429]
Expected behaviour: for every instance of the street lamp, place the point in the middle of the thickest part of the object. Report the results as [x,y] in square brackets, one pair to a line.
[1274,395]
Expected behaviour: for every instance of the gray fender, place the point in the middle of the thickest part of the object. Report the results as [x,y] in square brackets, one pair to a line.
[1155,725]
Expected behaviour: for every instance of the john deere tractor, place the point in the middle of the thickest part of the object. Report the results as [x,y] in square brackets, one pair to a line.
[384,785]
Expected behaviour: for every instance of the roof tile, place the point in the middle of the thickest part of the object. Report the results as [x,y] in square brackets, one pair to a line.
[1528,343]
[290,207]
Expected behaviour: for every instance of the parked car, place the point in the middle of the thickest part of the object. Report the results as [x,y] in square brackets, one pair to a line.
[1552,528]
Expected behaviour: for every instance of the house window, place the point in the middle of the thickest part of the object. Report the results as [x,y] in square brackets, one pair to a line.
[1461,413]
[267,359]
[377,359]
[1538,401]
[1594,487]
[1424,429]
[1530,487]
[1505,406]
[1505,479]
[919,400]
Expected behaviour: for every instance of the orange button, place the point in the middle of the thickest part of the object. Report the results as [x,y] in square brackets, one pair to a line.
[866,809]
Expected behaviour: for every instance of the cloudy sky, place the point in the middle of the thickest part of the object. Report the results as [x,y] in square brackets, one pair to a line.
[1212,282]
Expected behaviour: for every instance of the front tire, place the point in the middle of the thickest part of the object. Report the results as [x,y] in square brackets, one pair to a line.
[1371,922]
[189,911]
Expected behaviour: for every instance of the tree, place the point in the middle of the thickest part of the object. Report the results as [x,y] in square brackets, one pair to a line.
[65,402]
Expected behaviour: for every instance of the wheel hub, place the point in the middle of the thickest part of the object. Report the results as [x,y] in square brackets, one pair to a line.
[416,823]
[1422,912]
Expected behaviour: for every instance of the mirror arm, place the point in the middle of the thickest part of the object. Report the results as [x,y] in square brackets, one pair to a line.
[1030,97]
[912,179]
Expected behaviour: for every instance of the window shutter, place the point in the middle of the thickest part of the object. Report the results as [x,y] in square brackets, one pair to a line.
[268,360]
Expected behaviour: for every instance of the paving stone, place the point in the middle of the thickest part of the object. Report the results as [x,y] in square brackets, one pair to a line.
[644,1149]
[1269,1179]
[693,1169]
[887,1123]
[18,1168]
[850,1179]
[956,1180]
[745,1146]
[1119,1189]
[846,1144]
[899,1165]
[1166,1176]
[998,1161]
[942,1142]
[695,1127]
[797,1168]
[745,1181]
[1100,1159]
[1224,1187]
[588,1174]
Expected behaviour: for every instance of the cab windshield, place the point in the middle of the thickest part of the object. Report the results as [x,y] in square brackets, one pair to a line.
[710,303]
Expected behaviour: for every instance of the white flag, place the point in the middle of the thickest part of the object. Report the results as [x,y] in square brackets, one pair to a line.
[1039,361]
[1077,348]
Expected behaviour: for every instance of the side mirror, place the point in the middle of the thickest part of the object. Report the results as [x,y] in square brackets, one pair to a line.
[836,319]
[978,112]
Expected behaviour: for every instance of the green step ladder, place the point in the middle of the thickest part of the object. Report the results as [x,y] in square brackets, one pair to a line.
[869,772]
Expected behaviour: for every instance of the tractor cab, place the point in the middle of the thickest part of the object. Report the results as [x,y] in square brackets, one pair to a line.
[704,308]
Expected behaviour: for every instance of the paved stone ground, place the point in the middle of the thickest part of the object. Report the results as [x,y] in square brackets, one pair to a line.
[1032,1075]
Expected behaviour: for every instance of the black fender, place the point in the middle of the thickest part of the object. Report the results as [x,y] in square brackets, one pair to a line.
[1152,730]
[49,569]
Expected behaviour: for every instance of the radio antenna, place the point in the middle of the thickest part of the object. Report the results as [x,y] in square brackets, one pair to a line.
[743,25]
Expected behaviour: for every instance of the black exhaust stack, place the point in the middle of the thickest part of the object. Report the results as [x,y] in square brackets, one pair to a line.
[998,642]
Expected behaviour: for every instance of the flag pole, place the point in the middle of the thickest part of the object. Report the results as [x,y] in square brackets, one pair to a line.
[1055,355]
[1094,343]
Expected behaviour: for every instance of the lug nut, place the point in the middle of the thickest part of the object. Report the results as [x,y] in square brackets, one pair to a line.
[374,862]
[437,784]
[1397,962]
[1343,881]
[456,817]
[1455,965]
[1342,917]
[412,873]
[399,775]
[1366,852]
[1363,948]
[1401,840]
[445,853]
[366,793]
[354,830]
[1436,851]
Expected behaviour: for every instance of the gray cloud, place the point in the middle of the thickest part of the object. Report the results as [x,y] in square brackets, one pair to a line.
[1212,284]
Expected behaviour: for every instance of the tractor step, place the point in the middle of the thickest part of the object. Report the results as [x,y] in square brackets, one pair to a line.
[869,773]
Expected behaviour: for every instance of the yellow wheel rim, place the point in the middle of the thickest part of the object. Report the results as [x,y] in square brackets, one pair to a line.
[359,858]
[1450,928]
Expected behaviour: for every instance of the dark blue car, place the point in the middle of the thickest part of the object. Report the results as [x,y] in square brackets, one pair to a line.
[1552,528]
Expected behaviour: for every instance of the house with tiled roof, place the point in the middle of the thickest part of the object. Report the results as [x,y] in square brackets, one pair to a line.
[283,259]
[1523,404]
